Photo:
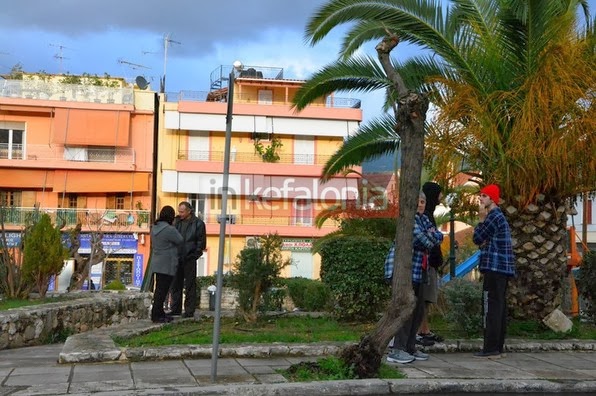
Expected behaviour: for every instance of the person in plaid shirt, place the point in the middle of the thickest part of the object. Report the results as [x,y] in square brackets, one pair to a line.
[497,265]
[425,237]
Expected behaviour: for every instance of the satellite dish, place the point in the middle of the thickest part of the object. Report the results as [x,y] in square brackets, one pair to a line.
[141,82]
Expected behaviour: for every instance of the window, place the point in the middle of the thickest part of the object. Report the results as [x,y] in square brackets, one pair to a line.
[101,154]
[303,212]
[120,201]
[198,203]
[118,268]
[72,201]
[11,143]
[10,198]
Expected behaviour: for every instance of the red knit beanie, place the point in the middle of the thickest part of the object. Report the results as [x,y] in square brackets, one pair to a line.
[493,192]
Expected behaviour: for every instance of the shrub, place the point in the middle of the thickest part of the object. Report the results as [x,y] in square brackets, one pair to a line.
[43,254]
[255,272]
[116,284]
[272,299]
[464,305]
[586,284]
[308,294]
[352,268]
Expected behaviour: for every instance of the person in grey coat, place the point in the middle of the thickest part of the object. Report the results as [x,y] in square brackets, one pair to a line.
[165,240]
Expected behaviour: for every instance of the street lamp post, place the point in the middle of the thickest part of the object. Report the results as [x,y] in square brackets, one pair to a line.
[222,225]
[451,244]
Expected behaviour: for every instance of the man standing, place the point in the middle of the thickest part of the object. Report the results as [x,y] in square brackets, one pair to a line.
[493,236]
[193,232]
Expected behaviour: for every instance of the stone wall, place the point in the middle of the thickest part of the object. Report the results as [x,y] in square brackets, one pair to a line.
[38,324]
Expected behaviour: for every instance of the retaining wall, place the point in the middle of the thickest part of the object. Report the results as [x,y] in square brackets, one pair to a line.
[39,324]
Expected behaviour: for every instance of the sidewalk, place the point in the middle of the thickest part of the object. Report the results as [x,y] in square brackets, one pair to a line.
[36,371]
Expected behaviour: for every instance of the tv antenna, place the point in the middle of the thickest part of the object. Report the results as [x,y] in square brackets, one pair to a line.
[134,66]
[166,42]
[60,55]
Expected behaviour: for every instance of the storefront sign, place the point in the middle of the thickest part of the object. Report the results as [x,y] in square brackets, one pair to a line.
[137,270]
[297,245]
[112,244]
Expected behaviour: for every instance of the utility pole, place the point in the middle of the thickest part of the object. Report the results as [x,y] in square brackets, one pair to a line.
[166,43]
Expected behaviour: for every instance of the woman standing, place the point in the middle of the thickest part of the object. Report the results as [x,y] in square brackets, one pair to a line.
[165,240]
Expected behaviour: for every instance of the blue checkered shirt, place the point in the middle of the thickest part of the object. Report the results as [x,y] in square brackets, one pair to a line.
[424,239]
[493,235]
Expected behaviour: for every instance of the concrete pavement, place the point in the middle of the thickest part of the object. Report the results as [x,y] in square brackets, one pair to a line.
[568,367]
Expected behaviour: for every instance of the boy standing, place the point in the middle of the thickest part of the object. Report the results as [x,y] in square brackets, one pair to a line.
[497,265]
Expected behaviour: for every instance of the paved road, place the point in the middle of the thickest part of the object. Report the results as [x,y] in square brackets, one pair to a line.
[35,371]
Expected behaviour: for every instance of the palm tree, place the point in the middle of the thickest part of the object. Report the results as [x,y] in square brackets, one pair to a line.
[514,83]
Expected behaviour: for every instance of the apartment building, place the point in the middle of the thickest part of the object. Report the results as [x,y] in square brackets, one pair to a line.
[276,160]
[80,149]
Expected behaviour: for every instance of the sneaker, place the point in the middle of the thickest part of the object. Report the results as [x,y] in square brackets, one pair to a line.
[423,341]
[488,355]
[401,357]
[419,355]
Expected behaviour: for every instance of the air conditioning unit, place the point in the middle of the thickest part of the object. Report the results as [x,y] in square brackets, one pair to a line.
[252,242]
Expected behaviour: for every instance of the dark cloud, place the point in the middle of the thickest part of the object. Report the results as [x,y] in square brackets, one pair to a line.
[198,24]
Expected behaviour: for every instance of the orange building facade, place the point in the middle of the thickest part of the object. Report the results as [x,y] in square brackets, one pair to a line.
[274,191]
[81,153]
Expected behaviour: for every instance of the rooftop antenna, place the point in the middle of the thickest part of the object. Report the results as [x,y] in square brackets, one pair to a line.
[132,65]
[166,42]
[60,55]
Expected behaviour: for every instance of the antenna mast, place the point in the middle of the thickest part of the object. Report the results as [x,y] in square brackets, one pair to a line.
[59,55]
[166,42]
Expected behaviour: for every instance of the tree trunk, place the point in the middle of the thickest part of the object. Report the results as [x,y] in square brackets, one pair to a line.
[83,264]
[539,233]
[410,115]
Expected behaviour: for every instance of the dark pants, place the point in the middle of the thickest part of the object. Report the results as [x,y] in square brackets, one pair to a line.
[186,276]
[162,285]
[494,309]
[405,338]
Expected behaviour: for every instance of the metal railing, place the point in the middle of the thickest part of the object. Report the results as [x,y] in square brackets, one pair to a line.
[252,98]
[247,219]
[99,219]
[114,155]
[217,156]
[14,151]
[42,90]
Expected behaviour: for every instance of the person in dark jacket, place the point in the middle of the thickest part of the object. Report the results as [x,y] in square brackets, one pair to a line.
[165,240]
[194,235]
[430,289]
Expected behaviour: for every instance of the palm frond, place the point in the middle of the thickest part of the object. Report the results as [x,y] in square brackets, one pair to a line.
[373,140]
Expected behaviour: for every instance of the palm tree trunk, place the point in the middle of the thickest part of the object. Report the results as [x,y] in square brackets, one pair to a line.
[539,233]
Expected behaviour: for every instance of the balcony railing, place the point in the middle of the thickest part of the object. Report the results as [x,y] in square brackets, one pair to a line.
[247,219]
[94,219]
[252,98]
[14,151]
[35,89]
[74,154]
[218,156]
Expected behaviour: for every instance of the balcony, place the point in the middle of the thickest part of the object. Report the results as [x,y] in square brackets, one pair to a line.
[251,156]
[42,152]
[251,98]
[41,90]
[105,220]
[251,220]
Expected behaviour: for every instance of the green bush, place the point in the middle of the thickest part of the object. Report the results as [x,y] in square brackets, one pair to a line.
[464,305]
[309,294]
[116,284]
[272,299]
[255,271]
[352,268]
[586,284]
[43,254]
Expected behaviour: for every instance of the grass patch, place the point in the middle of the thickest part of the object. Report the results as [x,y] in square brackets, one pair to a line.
[330,369]
[531,330]
[293,329]
[265,330]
